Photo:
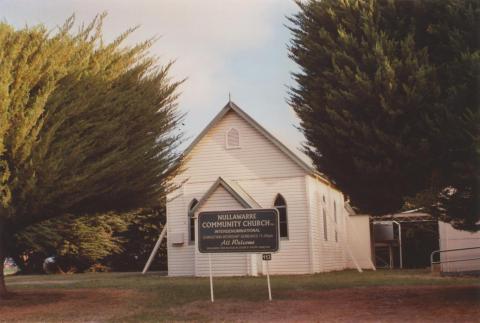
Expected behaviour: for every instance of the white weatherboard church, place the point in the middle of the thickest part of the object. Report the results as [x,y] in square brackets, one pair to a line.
[236,164]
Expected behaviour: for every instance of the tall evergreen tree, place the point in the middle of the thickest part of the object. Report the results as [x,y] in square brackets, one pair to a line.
[387,101]
[85,126]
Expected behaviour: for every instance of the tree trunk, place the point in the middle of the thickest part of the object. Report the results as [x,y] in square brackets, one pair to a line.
[3,288]
[3,256]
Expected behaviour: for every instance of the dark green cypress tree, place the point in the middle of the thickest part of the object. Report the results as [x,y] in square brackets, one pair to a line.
[451,34]
[386,100]
[85,127]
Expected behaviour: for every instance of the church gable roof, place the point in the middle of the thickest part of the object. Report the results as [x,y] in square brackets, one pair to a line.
[230,106]
[231,187]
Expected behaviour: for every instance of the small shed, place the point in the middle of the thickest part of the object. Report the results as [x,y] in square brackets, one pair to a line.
[460,250]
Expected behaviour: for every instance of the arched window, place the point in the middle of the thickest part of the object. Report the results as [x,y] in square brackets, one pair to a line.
[281,206]
[325,231]
[191,220]
[233,139]
[335,219]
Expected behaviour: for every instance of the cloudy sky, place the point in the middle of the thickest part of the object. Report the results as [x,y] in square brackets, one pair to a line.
[220,46]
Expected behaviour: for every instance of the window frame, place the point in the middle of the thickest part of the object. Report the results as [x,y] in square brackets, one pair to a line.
[325,224]
[227,145]
[335,218]
[284,206]
[191,222]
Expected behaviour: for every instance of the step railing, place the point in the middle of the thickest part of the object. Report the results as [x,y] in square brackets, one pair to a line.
[449,261]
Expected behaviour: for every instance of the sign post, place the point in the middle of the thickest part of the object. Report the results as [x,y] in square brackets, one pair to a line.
[247,231]
[267,257]
[211,277]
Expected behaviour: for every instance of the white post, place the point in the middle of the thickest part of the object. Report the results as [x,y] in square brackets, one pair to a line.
[211,277]
[400,242]
[155,249]
[268,282]
[390,256]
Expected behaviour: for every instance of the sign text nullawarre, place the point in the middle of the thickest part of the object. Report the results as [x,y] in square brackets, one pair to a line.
[238,231]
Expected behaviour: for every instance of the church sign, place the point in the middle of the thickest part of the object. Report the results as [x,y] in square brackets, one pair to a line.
[248,230]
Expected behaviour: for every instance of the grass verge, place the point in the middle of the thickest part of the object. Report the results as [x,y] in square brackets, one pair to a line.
[153,295]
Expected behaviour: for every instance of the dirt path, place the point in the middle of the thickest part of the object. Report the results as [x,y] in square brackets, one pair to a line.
[373,304]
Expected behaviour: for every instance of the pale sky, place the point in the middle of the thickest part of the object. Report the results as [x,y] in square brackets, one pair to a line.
[221,46]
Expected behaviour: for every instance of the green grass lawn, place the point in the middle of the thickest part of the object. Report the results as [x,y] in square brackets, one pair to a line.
[161,293]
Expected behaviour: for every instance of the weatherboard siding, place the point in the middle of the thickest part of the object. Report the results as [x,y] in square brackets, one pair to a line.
[257,157]
[234,264]
[315,222]
[293,250]
[327,255]
[180,257]
[293,256]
